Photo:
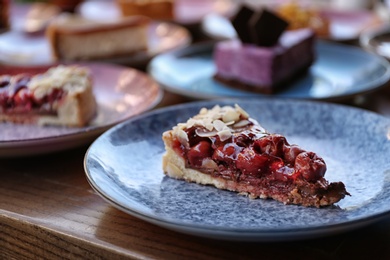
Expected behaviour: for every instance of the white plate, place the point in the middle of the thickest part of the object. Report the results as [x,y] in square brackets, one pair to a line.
[120,92]
[124,167]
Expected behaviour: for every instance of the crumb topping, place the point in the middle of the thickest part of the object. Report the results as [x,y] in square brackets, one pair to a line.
[72,79]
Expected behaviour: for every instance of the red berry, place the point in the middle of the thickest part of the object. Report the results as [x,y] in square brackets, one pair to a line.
[22,99]
[310,166]
[272,145]
[198,152]
[227,152]
[252,163]
[291,152]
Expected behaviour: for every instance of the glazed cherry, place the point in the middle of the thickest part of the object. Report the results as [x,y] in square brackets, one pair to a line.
[310,166]
[23,99]
[280,171]
[252,163]
[291,152]
[272,145]
[198,152]
[226,153]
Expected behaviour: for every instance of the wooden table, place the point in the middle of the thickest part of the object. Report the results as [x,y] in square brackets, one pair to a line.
[49,211]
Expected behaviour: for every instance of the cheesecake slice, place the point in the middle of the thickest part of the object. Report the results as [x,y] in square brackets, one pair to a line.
[72,37]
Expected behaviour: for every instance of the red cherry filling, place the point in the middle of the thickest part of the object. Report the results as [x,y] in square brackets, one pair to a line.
[198,152]
[246,156]
[310,166]
[252,163]
[15,96]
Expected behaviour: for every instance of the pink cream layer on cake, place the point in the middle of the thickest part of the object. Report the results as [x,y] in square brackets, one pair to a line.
[264,69]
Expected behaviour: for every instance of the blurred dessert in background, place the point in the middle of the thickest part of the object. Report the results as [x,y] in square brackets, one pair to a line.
[4,15]
[66,5]
[61,95]
[265,56]
[72,37]
[300,16]
[39,15]
[155,9]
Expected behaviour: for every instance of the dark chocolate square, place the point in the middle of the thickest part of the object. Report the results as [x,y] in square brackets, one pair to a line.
[241,24]
[266,28]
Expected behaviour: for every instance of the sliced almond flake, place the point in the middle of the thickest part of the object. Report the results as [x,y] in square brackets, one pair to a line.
[219,125]
[209,126]
[241,111]
[191,122]
[203,133]
[226,128]
[231,115]
[242,123]
[207,121]
[200,122]
[203,111]
[216,108]
[209,164]
[215,116]
[224,134]
[182,136]
[181,126]
[195,122]
[229,123]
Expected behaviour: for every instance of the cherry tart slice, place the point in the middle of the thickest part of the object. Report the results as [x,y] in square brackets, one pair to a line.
[62,95]
[226,148]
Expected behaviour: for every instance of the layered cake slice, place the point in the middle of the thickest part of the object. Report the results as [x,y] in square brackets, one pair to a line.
[62,95]
[265,56]
[225,148]
[72,37]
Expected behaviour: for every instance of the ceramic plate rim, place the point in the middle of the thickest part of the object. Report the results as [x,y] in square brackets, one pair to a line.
[369,34]
[247,234]
[84,132]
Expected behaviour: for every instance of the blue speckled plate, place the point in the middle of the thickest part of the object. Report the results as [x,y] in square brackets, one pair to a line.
[124,167]
[339,72]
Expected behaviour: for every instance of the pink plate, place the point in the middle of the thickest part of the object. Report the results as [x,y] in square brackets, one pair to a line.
[120,92]
[186,12]
[25,49]
[348,25]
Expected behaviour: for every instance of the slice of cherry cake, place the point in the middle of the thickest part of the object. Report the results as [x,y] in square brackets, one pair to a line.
[226,148]
[62,95]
